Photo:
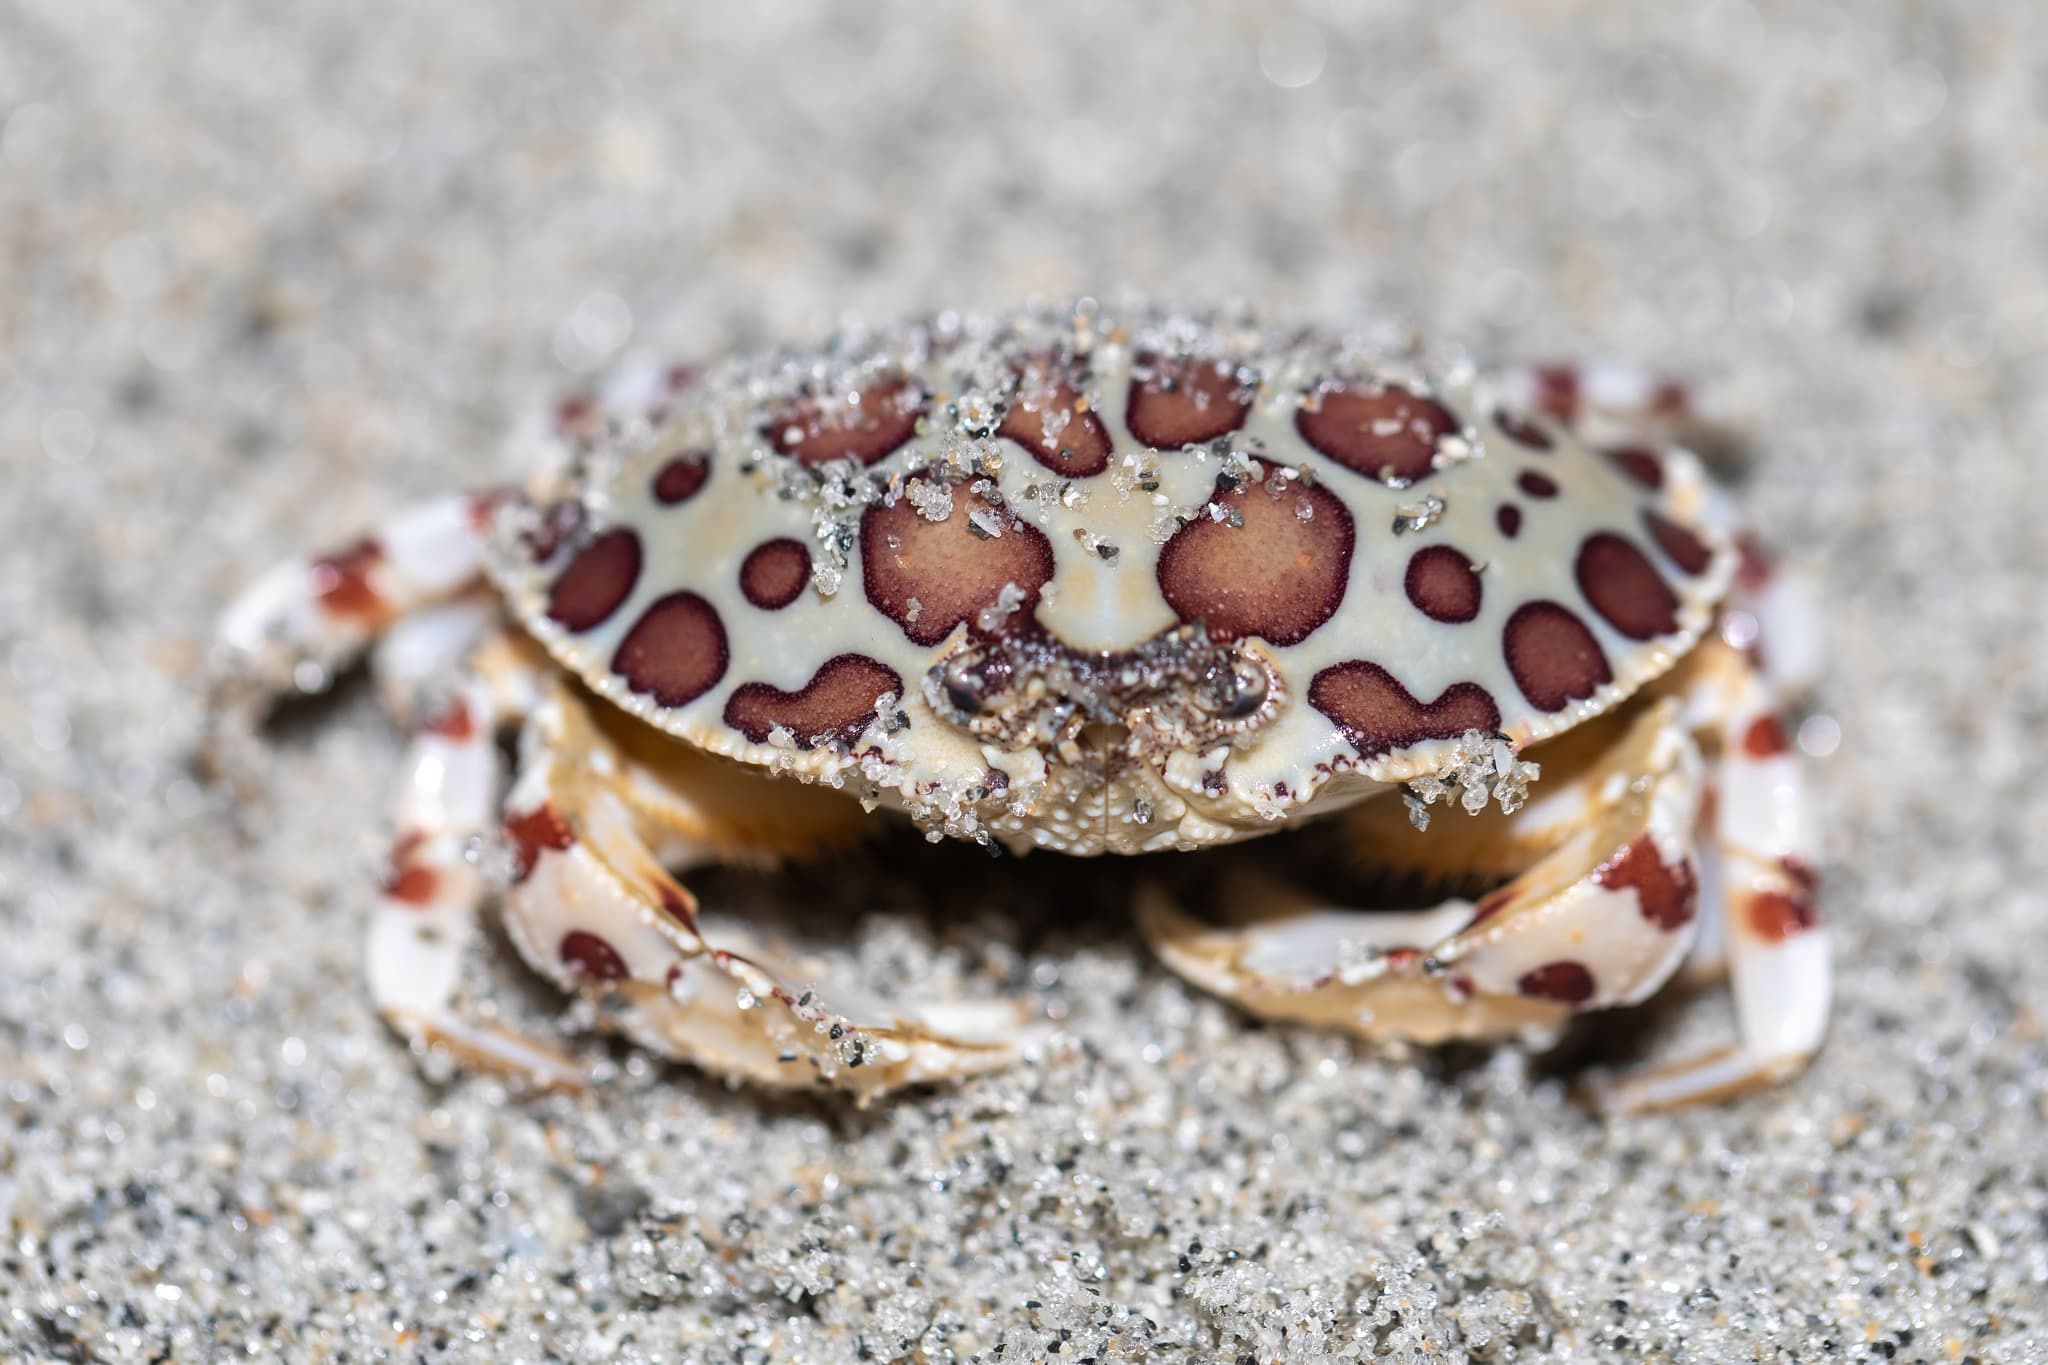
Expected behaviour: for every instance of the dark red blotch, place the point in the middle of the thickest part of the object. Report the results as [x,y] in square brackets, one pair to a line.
[1378,715]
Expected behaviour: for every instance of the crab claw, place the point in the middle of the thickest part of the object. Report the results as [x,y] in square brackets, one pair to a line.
[1601,916]
[593,907]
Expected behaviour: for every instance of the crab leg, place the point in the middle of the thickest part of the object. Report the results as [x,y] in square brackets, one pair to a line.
[1602,917]
[1763,846]
[412,661]
[1615,406]
[593,907]
[1637,414]
[1601,914]
[425,915]
[305,620]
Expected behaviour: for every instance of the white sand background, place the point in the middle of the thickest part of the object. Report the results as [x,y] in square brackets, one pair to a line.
[268,269]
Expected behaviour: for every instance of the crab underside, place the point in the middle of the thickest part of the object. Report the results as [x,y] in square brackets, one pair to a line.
[1630,806]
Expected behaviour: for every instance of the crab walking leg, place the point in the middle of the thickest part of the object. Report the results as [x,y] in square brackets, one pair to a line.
[1602,916]
[1612,405]
[1773,616]
[425,915]
[592,907]
[1762,849]
[412,661]
[304,620]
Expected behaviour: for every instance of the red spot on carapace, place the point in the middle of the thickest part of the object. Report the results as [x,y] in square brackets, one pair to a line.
[675,652]
[681,478]
[341,581]
[1765,738]
[1379,715]
[1679,545]
[1639,463]
[1443,585]
[1775,917]
[1668,895]
[1185,400]
[597,581]
[1566,981]
[1624,588]
[773,574]
[951,569]
[1049,417]
[587,955]
[1521,430]
[1270,559]
[542,827]
[1553,656]
[1382,432]
[834,706]
[1508,518]
[864,426]
[1536,485]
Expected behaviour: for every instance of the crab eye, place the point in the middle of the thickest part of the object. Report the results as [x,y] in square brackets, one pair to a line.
[1238,691]
[961,691]
[975,682]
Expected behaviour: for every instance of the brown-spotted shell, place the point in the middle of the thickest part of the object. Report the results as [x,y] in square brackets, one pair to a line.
[777,566]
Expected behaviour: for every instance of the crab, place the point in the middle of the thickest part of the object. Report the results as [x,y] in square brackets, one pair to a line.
[1075,581]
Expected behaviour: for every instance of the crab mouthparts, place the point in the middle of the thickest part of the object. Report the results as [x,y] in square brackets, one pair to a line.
[1180,689]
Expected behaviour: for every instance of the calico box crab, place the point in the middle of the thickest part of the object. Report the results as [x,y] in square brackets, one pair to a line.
[1086,582]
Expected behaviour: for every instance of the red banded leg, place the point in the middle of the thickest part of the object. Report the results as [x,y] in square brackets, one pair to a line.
[1761,851]
[1623,409]
[1600,912]
[421,654]
[1760,925]
[595,908]
[425,916]
[305,620]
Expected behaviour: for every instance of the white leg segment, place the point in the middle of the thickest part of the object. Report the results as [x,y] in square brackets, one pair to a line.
[304,620]
[416,656]
[592,908]
[1602,915]
[1608,404]
[425,916]
[1762,849]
